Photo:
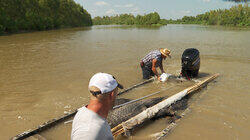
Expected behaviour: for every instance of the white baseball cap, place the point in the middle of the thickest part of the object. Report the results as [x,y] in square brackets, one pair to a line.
[104,82]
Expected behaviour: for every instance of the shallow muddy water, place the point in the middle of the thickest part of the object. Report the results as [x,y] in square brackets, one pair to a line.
[45,74]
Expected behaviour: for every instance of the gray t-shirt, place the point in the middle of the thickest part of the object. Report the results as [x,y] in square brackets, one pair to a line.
[88,125]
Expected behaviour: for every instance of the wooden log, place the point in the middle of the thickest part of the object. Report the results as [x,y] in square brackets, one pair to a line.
[151,112]
[160,135]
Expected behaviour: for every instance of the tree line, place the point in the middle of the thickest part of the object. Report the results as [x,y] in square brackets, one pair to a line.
[129,19]
[26,15]
[237,1]
[235,16]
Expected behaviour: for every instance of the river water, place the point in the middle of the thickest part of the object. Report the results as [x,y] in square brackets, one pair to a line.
[45,74]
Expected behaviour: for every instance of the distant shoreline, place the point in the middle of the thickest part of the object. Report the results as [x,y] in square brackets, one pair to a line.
[115,25]
[33,31]
[151,19]
[237,16]
[221,26]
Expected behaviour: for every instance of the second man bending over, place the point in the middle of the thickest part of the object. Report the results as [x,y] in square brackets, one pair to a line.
[153,60]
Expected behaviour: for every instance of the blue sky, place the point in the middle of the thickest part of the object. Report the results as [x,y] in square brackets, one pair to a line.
[166,8]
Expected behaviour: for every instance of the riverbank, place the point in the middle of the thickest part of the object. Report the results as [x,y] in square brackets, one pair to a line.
[154,26]
[151,19]
[219,27]
[51,30]
[235,16]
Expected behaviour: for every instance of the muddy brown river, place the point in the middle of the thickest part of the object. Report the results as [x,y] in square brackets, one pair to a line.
[45,74]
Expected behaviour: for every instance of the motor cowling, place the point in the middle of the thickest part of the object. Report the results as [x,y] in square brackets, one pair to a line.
[190,62]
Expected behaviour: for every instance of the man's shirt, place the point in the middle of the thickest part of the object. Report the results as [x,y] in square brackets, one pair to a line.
[88,125]
[147,60]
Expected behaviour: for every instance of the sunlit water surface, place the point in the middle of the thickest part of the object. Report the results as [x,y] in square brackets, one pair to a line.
[46,74]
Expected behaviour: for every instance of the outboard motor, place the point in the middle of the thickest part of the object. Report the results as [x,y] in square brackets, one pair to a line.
[190,62]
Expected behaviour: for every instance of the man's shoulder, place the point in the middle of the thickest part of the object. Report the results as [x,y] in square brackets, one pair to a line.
[92,131]
[155,51]
[88,124]
[82,111]
[88,116]
[156,54]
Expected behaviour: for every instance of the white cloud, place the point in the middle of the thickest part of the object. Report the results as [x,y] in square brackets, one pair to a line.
[125,6]
[101,3]
[185,12]
[129,5]
[180,14]
[110,12]
[118,6]
[206,0]
[93,11]
[135,10]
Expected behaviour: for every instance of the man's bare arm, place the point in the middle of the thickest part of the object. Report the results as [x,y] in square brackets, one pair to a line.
[154,67]
[161,68]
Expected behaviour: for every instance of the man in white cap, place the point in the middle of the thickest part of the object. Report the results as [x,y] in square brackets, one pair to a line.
[153,60]
[90,121]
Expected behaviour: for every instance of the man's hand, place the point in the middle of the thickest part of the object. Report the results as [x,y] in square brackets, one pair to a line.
[159,78]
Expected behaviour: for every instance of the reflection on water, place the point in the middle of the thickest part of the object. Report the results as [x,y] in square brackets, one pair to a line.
[127,27]
[44,74]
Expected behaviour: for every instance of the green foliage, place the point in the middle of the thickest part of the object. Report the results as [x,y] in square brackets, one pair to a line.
[41,15]
[235,16]
[129,19]
[163,22]
[1,29]
[236,0]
